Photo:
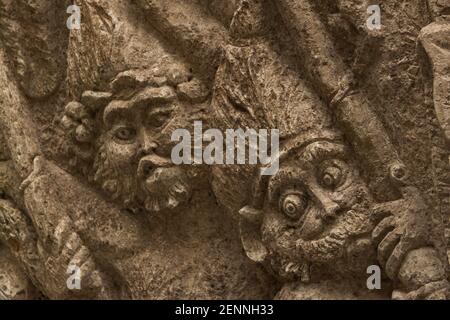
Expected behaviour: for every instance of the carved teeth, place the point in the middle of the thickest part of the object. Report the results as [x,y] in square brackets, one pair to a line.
[173,203]
[179,188]
[68,123]
[290,267]
[305,273]
[82,134]
[152,205]
[156,206]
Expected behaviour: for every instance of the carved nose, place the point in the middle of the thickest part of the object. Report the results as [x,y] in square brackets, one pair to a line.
[147,146]
[330,208]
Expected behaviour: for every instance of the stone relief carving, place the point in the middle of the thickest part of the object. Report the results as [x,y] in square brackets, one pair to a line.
[434,41]
[317,212]
[87,180]
[130,153]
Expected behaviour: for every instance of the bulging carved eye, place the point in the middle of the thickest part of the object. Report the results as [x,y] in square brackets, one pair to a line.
[331,177]
[294,204]
[125,134]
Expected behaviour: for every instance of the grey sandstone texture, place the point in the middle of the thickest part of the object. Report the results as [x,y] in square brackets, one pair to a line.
[87,178]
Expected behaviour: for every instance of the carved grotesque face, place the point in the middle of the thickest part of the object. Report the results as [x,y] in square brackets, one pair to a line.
[315,212]
[133,161]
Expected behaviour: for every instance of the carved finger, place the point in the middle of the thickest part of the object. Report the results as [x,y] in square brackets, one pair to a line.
[431,291]
[383,210]
[387,246]
[382,229]
[395,259]
[414,198]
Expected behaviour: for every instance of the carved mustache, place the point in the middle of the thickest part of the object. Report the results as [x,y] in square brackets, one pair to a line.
[333,244]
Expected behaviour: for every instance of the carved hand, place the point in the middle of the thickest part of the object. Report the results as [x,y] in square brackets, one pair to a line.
[404,249]
[403,227]
[48,244]
[40,257]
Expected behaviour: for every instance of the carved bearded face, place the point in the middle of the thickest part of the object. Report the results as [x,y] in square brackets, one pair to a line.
[133,161]
[315,213]
[121,139]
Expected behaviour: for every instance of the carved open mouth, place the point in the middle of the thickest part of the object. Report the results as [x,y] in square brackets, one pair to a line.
[149,164]
[147,170]
[331,244]
[153,183]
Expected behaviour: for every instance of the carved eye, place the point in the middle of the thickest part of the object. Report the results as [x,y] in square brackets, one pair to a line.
[294,204]
[331,177]
[125,134]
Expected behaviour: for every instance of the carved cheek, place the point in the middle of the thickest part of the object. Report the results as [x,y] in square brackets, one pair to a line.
[165,142]
[273,225]
[121,155]
[355,192]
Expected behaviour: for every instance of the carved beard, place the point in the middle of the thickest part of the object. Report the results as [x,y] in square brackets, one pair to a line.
[165,188]
[333,244]
[296,254]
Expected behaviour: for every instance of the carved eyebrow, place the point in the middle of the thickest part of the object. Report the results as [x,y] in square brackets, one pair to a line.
[321,150]
[283,176]
[161,109]
[116,107]
[311,155]
[147,97]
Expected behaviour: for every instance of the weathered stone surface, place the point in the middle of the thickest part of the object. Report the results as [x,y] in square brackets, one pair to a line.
[36,47]
[87,173]
[435,38]
[14,284]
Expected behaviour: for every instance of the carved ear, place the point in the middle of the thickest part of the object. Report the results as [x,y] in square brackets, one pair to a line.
[250,230]
[79,124]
